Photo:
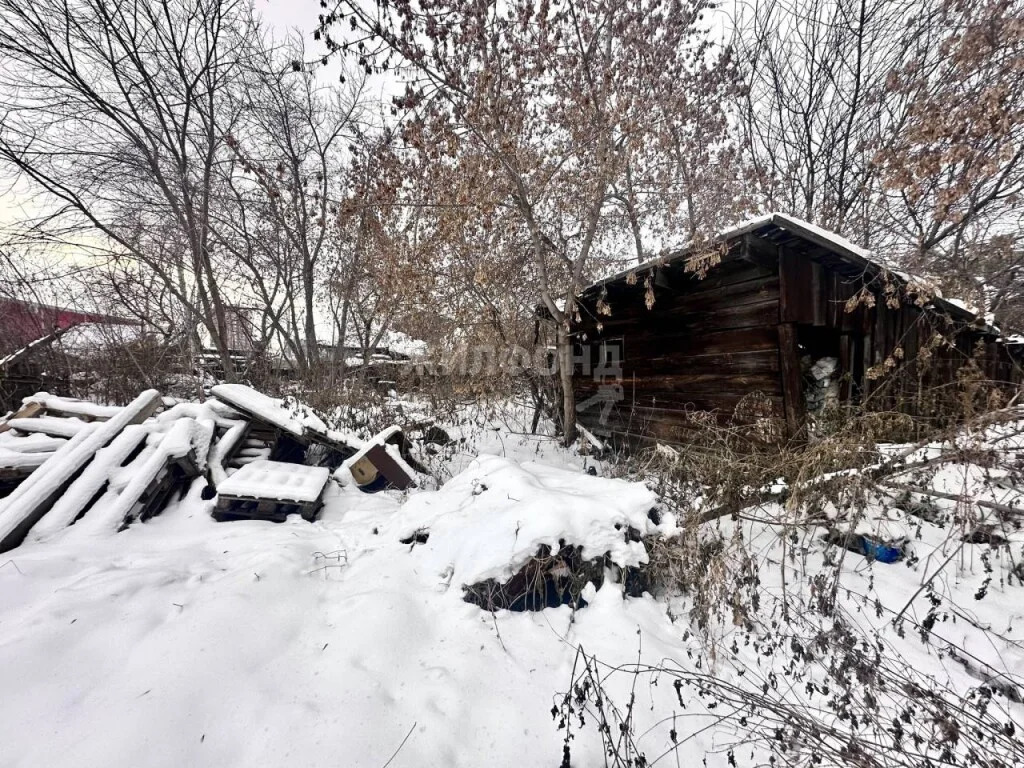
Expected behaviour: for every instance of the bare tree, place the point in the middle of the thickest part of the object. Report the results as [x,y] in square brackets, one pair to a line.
[118,114]
[817,110]
[955,169]
[547,105]
[291,174]
[899,124]
[392,230]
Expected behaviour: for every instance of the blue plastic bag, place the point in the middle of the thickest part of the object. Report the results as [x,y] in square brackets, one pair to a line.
[883,552]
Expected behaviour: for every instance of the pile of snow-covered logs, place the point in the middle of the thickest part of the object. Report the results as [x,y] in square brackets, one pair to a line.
[69,462]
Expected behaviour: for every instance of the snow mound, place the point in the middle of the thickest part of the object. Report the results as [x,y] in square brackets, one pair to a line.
[404,344]
[489,520]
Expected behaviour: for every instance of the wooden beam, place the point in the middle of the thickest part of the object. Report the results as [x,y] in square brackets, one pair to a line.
[845,368]
[817,289]
[387,466]
[89,486]
[661,279]
[759,251]
[792,391]
[44,487]
[30,349]
[829,245]
[28,411]
[788,288]
[799,291]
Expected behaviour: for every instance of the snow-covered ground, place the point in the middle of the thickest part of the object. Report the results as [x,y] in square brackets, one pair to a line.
[187,642]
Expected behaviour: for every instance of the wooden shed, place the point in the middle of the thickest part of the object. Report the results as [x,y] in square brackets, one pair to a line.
[778,312]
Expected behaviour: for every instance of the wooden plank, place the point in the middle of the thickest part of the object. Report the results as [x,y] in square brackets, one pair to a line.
[158,495]
[857,366]
[707,380]
[47,425]
[30,349]
[762,252]
[756,361]
[732,269]
[845,368]
[28,411]
[389,468]
[271,510]
[818,291]
[661,279]
[153,474]
[787,289]
[702,298]
[789,365]
[34,497]
[755,309]
[224,450]
[75,408]
[683,412]
[375,453]
[685,342]
[675,411]
[701,399]
[685,282]
[668,424]
[831,246]
[90,484]
[833,301]
[882,338]
[796,301]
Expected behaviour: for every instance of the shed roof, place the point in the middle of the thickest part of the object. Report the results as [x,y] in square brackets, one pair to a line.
[828,248]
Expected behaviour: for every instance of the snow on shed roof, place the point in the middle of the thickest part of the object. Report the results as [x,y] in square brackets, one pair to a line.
[779,221]
[854,257]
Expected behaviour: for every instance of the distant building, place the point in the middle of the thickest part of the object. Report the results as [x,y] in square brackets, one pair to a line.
[240,324]
[22,322]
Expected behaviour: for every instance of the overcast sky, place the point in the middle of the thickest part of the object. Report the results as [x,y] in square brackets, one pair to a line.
[285,15]
[282,16]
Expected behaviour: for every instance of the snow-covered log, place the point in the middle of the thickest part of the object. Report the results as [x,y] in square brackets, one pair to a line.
[33,498]
[91,482]
[47,425]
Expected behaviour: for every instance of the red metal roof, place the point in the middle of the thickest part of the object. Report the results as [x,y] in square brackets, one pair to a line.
[22,322]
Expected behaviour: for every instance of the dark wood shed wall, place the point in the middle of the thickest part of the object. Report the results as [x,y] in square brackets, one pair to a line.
[707,343]
[895,354]
[704,345]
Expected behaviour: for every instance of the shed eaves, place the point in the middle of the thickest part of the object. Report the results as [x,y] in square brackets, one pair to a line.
[835,252]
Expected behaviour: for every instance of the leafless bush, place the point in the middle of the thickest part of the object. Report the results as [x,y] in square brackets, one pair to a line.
[821,695]
[115,372]
[825,690]
[730,472]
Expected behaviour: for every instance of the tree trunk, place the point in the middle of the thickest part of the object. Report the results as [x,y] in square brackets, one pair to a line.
[312,344]
[563,345]
[340,365]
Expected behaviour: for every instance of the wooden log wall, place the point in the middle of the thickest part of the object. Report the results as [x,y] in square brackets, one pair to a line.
[705,344]
[893,358]
[741,331]
[915,362]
